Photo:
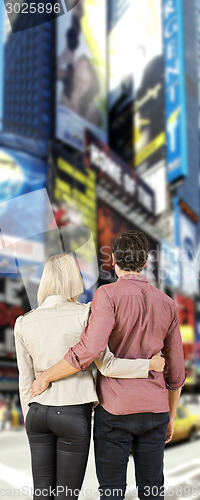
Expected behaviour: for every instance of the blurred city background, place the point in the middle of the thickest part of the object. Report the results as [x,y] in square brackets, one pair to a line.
[99,133]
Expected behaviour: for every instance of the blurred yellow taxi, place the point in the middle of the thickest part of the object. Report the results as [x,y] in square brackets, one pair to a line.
[186,424]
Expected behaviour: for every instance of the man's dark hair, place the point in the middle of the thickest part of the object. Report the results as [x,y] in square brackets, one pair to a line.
[131,250]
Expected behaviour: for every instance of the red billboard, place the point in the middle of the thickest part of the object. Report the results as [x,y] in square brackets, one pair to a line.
[110,225]
[187,328]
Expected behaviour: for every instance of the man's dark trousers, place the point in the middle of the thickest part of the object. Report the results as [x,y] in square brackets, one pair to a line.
[114,436]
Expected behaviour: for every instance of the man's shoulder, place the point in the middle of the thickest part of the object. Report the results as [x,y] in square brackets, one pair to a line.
[108,288]
[104,293]
[114,288]
[164,298]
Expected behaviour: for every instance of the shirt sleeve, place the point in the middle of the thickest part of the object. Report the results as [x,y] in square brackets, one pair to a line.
[109,366]
[25,367]
[172,351]
[95,336]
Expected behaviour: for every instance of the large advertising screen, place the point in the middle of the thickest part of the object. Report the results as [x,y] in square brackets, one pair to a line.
[13,303]
[188,246]
[175,89]
[23,180]
[110,225]
[136,83]
[197,333]
[170,265]
[75,212]
[117,176]
[187,328]
[81,84]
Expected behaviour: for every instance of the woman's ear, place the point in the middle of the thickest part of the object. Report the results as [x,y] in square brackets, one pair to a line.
[113,260]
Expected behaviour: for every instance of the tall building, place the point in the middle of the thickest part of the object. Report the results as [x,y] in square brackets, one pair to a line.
[189,190]
[198,53]
[198,69]
[28,99]
[1,61]
[181,90]
[27,126]
[181,103]
[180,27]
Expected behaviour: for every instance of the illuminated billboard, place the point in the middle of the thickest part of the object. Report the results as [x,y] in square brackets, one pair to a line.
[23,179]
[187,329]
[175,89]
[117,176]
[197,332]
[75,212]
[186,318]
[13,303]
[136,86]
[81,84]
[170,265]
[186,238]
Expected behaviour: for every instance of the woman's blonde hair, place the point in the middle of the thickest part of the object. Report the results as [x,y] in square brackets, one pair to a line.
[60,276]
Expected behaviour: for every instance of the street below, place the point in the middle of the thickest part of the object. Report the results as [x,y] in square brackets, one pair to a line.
[182,470]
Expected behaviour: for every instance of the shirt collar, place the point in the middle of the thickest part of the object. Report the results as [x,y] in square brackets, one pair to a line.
[136,277]
[53,301]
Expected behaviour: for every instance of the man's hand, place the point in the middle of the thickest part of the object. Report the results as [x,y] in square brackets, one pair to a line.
[170,430]
[62,369]
[39,385]
[157,363]
[173,397]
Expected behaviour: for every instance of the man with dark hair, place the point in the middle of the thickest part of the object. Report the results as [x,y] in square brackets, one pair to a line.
[137,320]
[130,250]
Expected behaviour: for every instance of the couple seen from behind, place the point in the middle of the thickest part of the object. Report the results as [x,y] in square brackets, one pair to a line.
[131,331]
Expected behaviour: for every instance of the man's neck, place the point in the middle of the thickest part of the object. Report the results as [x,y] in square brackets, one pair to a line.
[123,273]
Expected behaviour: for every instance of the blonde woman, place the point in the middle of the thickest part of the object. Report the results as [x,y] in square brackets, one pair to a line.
[58,422]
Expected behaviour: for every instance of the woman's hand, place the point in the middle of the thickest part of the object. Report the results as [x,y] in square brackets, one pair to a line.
[157,363]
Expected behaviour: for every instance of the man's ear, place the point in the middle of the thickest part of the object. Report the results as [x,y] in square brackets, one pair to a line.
[113,260]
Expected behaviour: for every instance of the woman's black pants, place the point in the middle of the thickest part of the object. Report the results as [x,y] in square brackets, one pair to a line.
[59,438]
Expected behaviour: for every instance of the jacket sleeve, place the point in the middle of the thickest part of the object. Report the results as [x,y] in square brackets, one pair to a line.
[25,367]
[109,366]
[172,351]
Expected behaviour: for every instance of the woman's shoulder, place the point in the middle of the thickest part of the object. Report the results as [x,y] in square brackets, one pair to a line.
[84,311]
[84,305]
[79,308]
[20,320]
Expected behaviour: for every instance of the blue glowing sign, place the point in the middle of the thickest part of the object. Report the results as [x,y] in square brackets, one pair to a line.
[175,90]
